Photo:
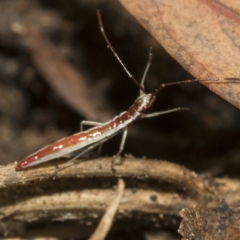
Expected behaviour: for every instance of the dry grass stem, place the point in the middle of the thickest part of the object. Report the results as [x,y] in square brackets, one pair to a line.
[107,219]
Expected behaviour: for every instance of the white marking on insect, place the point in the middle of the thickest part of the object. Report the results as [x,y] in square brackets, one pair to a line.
[103,132]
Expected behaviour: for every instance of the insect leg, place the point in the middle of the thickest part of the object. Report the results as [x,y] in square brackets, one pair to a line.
[164,112]
[71,162]
[121,147]
[88,123]
[117,158]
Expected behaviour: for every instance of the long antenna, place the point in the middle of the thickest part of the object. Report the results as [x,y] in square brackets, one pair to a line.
[208,80]
[114,52]
[146,70]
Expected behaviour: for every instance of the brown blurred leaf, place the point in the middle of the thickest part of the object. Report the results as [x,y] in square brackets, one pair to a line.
[71,84]
[203,36]
[200,222]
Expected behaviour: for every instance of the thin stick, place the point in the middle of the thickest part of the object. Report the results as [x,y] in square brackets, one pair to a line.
[114,52]
[107,219]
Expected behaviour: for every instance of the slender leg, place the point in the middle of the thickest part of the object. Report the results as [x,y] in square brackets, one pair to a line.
[71,162]
[92,123]
[117,159]
[124,136]
[88,123]
[164,112]
[88,149]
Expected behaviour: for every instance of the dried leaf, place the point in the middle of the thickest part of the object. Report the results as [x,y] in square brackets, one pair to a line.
[203,36]
[64,78]
[200,222]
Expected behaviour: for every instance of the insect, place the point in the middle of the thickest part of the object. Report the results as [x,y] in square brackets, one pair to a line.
[94,137]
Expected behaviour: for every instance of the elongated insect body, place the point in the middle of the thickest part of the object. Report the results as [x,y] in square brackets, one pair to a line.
[101,133]
[89,137]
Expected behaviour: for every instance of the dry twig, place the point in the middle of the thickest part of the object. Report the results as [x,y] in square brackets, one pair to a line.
[107,219]
[154,187]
